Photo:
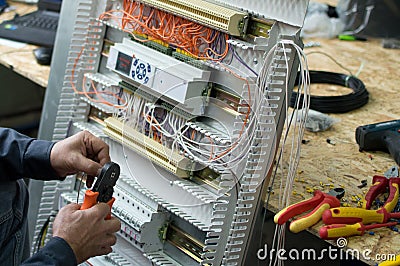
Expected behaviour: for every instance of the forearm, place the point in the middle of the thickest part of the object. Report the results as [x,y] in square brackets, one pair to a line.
[56,252]
[21,156]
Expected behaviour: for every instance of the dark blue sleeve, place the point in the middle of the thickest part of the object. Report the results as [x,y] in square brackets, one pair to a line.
[56,252]
[22,156]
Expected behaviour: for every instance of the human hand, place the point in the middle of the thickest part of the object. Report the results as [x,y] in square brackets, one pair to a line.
[86,231]
[81,152]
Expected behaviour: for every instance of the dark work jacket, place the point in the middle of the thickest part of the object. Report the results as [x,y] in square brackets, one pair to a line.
[21,156]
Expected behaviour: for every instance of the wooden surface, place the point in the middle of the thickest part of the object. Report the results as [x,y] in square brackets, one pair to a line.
[21,60]
[323,165]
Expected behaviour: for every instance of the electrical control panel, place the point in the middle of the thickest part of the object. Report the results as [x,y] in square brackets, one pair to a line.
[168,77]
[191,98]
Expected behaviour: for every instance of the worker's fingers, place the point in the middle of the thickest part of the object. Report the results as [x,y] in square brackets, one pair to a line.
[113,225]
[82,152]
[83,164]
[97,148]
[105,250]
[111,240]
[99,211]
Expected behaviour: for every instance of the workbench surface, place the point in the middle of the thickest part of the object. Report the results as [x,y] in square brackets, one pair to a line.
[340,164]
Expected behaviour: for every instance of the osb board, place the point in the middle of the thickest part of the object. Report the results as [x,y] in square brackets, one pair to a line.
[22,60]
[323,165]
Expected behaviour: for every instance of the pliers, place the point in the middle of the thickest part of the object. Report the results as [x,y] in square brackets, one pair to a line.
[317,204]
[103,188]
[351,215]
[379,186]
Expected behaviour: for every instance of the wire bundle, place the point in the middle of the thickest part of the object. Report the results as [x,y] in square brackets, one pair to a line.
[173,131]
[92,93]
[295,124]
[193,39]
[335,104]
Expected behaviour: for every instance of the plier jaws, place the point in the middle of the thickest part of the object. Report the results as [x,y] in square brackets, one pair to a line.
[103,188]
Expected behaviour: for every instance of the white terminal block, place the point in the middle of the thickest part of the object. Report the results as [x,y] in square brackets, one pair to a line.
[159,72]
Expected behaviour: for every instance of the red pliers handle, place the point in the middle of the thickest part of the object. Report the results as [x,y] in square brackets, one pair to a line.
[317,204]
[379,186]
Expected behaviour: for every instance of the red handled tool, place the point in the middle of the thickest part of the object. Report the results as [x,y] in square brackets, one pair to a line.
[379,186]
[103,188]
[343,230]
[318,204]
[351,215]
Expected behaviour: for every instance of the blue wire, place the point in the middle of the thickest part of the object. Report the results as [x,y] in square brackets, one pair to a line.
[242,61]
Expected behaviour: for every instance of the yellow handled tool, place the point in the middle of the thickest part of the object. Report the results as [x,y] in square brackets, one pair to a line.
[350,215]
[395,262]
[343,230]
[318,204]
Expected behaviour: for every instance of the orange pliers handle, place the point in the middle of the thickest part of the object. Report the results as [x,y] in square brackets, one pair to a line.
[103,188]
[90,200]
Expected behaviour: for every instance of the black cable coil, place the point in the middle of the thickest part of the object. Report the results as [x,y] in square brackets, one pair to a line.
[334,104]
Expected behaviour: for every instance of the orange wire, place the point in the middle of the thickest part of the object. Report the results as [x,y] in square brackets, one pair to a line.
[212,148]
[194,39]
[95,92]
[247,114]
[179,32]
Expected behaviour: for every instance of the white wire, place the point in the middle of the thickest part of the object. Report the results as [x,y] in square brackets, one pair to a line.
[286,184]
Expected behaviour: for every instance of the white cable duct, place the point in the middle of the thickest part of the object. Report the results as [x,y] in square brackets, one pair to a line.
[297,123]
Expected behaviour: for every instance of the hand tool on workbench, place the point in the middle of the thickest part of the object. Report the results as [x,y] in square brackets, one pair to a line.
[383,136]
[379,186]
[351,215]
[334,231]
[318,204]
[103,188]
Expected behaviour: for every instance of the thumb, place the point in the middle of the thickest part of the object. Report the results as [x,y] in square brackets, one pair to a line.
[88,166]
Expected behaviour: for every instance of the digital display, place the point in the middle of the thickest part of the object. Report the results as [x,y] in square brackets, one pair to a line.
[124,63]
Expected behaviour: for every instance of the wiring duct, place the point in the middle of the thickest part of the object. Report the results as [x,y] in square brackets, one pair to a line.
[290,144]
[145,24]
[175,132]
[172,130]
[161,125]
